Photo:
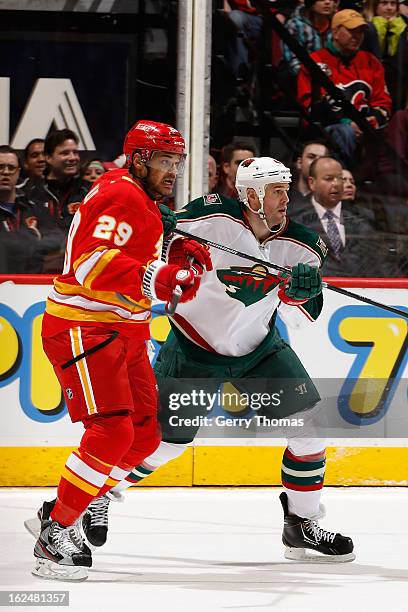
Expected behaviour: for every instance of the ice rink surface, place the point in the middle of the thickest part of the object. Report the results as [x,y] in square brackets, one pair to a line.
[219,549]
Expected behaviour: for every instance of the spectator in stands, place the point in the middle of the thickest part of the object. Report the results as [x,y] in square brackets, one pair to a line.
[344,229]
[310,26]
[299,190]
[246,35]
[212,174]
[393,168]
[34,162]
[34,167]
[386,37]
[63,189]
[15,241]
[360,76]
[27,233]
[403,9]
[92,169]
[232,155]
[349,186]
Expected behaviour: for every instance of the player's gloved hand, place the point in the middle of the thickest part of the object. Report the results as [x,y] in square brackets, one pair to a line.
[161,280]
[169,219]
[303,284]
[190,253]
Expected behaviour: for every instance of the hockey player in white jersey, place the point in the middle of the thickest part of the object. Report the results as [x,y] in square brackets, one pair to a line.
[228,333]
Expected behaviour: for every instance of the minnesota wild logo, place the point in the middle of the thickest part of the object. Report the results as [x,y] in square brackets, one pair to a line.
[248,285]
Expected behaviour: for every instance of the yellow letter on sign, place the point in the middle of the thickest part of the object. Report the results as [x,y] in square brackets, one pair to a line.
[386,337]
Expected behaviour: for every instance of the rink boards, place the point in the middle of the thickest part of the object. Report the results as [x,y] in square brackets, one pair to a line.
[351,341]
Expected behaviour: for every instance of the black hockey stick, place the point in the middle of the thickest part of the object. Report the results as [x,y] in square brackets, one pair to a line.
[349,294]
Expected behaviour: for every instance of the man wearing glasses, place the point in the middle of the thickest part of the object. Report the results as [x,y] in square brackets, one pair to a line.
[27,232]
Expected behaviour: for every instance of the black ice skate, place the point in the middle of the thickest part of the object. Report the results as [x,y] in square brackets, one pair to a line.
[33,525]
[301,536]
[95,519]
[57,556]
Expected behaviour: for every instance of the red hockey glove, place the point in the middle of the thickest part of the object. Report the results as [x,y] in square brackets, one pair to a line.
[185,253]
[303,284]
[160,281]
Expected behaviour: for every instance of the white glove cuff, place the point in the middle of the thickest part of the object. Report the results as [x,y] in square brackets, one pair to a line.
[149,278]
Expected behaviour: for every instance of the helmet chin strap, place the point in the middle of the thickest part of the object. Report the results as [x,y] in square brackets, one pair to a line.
[261,213]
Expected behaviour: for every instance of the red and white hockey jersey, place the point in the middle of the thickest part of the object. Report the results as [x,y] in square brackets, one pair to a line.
[361,78]
[115,234]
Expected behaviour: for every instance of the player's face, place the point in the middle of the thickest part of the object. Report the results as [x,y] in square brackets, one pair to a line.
[276,203]
[163,169]
[327,184]
[64,161]
[34,165]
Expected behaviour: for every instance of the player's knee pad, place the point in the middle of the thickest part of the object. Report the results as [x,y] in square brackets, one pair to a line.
[302,447]
[166,451]
[108,437]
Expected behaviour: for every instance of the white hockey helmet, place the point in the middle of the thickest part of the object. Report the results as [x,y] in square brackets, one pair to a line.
[257,172]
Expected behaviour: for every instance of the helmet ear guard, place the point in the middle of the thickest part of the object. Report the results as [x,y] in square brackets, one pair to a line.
[139,166]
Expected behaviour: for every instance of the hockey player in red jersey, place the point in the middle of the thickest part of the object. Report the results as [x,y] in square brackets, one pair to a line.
[95,329]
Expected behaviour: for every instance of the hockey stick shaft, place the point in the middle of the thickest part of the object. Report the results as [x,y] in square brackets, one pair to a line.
[273,266]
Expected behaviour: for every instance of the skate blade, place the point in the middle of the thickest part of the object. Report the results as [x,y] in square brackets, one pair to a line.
[48,570]
[33,526]
[307,556]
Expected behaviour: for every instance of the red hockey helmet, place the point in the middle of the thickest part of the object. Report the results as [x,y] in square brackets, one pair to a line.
[149,136]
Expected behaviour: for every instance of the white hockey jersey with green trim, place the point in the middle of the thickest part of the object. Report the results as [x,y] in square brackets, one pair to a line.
[232,311]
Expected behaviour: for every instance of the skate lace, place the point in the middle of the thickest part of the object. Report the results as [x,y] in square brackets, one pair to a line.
[75,533]
[61,538]
[98,511]
[318,533]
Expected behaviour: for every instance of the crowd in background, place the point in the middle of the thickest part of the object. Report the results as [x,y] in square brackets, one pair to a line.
[39,196]
[357,124]
[349,171]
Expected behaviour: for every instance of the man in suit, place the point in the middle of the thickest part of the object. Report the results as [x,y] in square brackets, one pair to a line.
[345,230]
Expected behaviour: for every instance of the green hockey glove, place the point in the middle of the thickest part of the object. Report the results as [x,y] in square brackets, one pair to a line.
[169,219]
[303,284]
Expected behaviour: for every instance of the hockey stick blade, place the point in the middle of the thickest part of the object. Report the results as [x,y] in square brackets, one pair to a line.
[273,266]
